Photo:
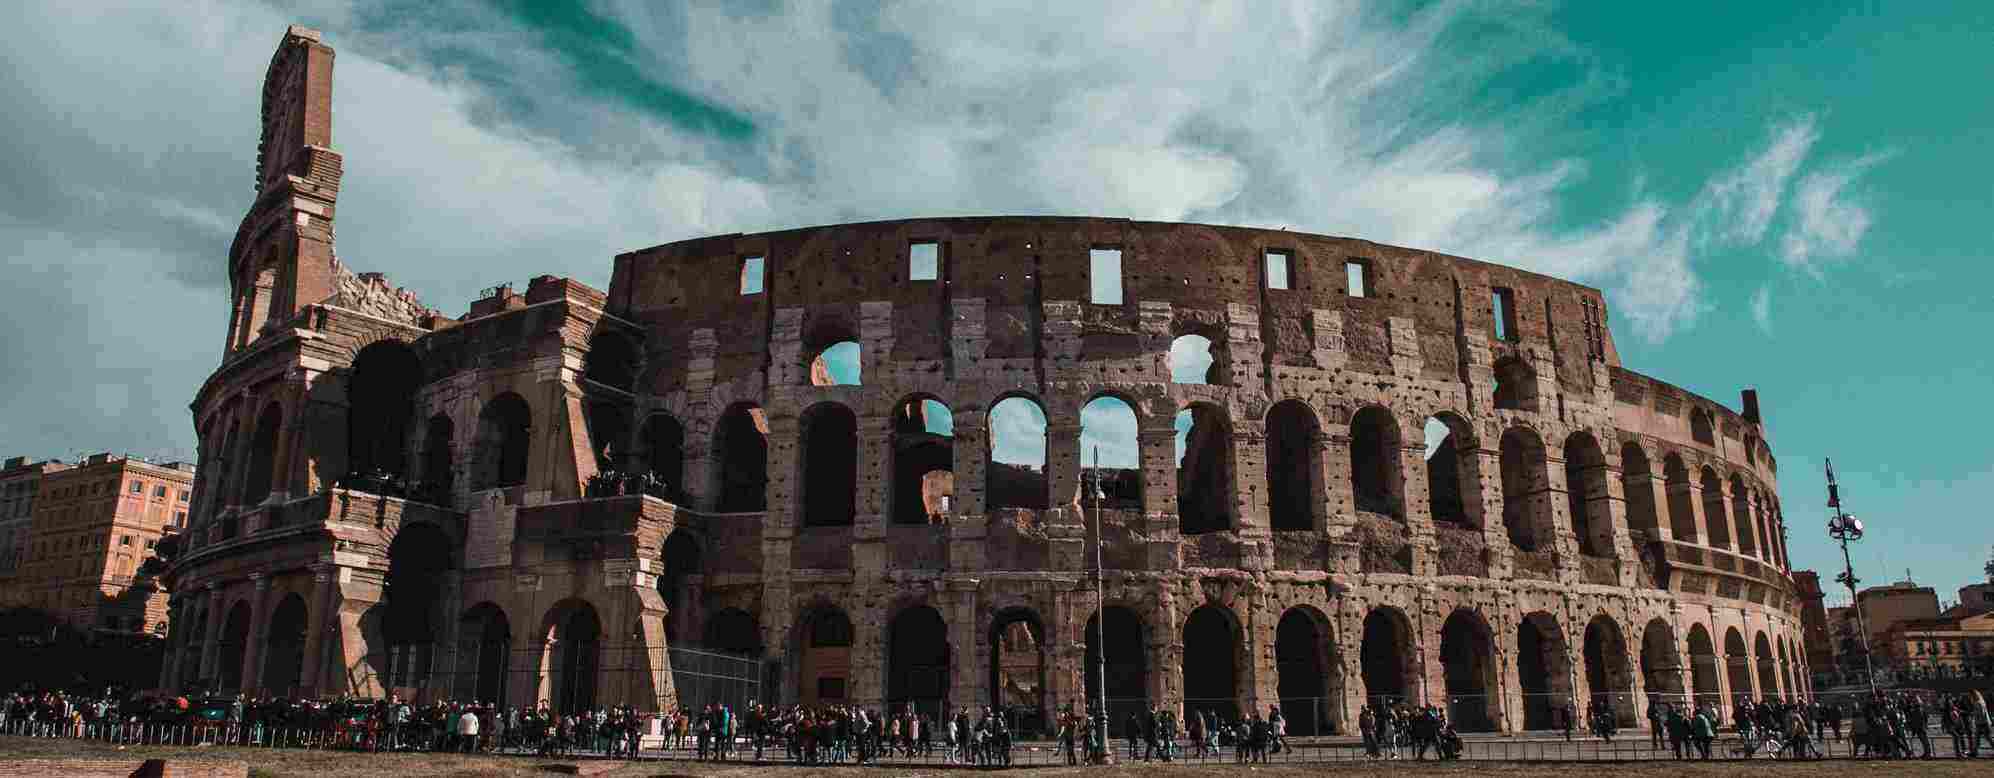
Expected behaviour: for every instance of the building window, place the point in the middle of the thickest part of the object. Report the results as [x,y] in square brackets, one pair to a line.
[752,269]
[183,495]
[159,491]
[138,487]
[180,519]
[1278,267]
[1105,276]
[1357,273]
[1503,305]
[924,261]
[124,540]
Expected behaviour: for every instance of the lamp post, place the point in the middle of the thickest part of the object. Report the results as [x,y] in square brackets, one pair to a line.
[1100,595]
[1844,528]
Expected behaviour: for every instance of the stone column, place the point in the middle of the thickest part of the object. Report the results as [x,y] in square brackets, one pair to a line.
[252,651]
[1555,507]
[211,645]
[316,619]
[971,452]
[169,672]
[866,684]
[964,629]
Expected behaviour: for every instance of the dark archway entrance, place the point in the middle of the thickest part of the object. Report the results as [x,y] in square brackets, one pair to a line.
[1211,662]
[418,560]
[504,437]
[577,635]
[825,646]
[682,563]
[284,647]
[1307,693]
[1738,665]
[740,454]
[733,631]
[1661,664]
[1703,667]
[923,441]
[380,406]
[1467,654]
[1292,470]
[1127,641]
[235,641]
[1607,674]
[484,651]
[1542,671]
[1017,668]
[917,662]
[830,466]
[1387,657]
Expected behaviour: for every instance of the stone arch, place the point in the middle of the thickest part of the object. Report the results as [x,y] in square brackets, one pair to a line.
[484,651]
[504,441]
[1126,638]
[380,406]
[1111,451]
[1682,507]
[664,452]
[1741,512]
[1738,666]
[575,641]
[823,647]
[841,363]
[1700,427]
[1194,360]
[1468,669]
[740,459]
[612,360]
[1386,653]
[1586,495]
[284,646]
[1786,671]
[1608,676]
[1703,666]
[439,474]
[1377,480]
[1016,474]
[917,661]
[1714,513]
[733,631]
[1205,461]
[233,644]
[1212,649]
[682,562]
[1453,471]
[1308,677]
[1515,385]
[923,459]
[1018,667]
[1543,670]
[1661,662]
[828,469]
[1768,667]
[263,455]
[1637,484]
[1526,506]
[1294,467]
[420,558]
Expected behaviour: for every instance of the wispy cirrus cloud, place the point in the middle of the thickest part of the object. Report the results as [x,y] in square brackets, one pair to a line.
[1829,220]
[1762,309]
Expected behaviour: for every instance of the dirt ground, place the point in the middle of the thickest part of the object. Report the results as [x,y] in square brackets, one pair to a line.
[284,763]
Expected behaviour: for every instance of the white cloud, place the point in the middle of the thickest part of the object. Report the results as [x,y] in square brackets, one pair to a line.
[1747,198]
[1827,223]
[1762,309]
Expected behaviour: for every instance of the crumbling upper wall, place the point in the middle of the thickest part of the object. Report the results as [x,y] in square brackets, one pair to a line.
[371,294]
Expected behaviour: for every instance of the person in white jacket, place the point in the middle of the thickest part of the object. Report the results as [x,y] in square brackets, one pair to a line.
[467,730]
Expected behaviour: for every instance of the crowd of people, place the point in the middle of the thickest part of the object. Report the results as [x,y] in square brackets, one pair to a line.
[1885,725]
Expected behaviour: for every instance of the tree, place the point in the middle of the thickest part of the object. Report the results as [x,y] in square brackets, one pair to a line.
[1989,569]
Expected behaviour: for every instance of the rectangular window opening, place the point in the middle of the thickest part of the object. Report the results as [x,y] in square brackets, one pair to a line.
[924,261]
[1105,265]
[751,276]
[1278,264]
[1355,272]
[1502,303]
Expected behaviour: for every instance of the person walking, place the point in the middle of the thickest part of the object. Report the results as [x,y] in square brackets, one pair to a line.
[1703,730]
[1658,715]
[467,730]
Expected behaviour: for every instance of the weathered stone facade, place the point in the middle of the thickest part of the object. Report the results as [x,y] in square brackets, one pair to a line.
[1583,529]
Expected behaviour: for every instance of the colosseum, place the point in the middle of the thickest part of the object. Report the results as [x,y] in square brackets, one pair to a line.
[1402,476]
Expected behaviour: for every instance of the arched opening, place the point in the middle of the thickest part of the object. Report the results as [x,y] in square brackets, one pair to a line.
[438,471]
[1769,680]
[664,452]
[923,460]
[1713,509]
[1305,673]
[224,494]
[418,561]
[1467,657]
[1542,671]
[484,649]
[1516,385]
[1211,662]
[1703,666]
[1762,519]
[1526,503]
[1016,475]
[733,631]
[1375,482]
[607,418]
[1294,468]
[1637,484]
[1586,495]
[1661,663]
[1109,452]
[504,428]
[837,365]
[284,647]
[1386,654]
[825,665]
[1682,510]
[830,466]
[1607,672]
[917,662]
[234,642]
[1741,512]
[1699,427]
[1738,667]
[262,456]
[1453,471]
[611,361]
[576,637]
[1127,670]
[1017,665]
[1204,470]
[741,455]
[1191,360]
[1786,672]
[380,406]
[187,632]
[681,564]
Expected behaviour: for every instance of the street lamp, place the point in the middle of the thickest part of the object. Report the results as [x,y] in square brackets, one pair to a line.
[1101,601]
[1844,528]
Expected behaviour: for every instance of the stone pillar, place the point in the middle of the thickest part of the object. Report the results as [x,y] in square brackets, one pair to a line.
[316,619]
[252,651]
[866,684]
[1249,476]
[1166,656]
[176,620]
[211,644]
[1553,504]
[1415,500]
[964,630]
[1062,456]
[1156,439]
[971,454]
[1260,677]
[1487,507]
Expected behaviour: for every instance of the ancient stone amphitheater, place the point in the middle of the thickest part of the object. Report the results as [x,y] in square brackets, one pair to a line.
[1403,476]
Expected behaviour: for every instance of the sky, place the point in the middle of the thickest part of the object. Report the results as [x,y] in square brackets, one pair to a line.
[1770,194]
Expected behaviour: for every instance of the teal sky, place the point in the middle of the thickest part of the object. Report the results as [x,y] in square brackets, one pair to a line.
[1788,196]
